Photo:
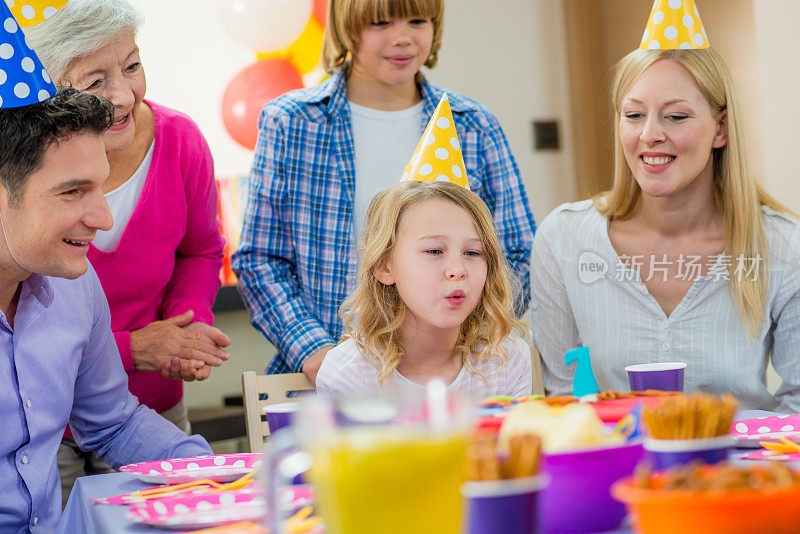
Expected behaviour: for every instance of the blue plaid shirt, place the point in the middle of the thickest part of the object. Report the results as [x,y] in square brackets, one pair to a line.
[296,260]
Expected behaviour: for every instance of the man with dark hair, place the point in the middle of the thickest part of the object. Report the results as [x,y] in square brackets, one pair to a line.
[59,363]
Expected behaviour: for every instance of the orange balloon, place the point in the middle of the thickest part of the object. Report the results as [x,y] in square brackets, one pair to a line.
[249,91]
[320,10]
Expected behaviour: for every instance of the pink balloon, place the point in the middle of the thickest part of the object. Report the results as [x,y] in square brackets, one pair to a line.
[249,91]
[320,10]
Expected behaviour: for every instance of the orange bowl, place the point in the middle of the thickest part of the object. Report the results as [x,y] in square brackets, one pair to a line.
[746,511]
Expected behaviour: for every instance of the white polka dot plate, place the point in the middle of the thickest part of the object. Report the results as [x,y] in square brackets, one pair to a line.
[183,512]
[192,511]
[216,467]
[749,432]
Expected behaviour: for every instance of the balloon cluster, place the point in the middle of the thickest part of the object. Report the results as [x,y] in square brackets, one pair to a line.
[286,36]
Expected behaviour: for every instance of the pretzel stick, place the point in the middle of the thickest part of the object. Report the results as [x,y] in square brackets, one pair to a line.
[699,416]
[482,463]
[524,458]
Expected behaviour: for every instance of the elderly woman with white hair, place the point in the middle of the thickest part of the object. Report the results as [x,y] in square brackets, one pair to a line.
[159,264]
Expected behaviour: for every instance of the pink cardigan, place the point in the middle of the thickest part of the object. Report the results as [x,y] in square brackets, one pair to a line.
[168,259]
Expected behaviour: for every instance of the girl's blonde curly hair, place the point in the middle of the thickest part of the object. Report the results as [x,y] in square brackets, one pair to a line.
[374,313]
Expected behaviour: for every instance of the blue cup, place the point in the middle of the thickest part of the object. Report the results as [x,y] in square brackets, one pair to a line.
[503,506]
[666,453]
[279,415]
[666,376]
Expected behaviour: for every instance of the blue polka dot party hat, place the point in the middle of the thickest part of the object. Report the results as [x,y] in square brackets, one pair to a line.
[674,25]
[23,79]
[438,154]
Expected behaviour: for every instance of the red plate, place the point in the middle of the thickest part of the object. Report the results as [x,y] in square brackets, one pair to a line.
[611,411]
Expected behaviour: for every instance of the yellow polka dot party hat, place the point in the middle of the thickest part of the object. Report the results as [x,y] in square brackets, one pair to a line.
[31,12]
[674,25]
[438,153]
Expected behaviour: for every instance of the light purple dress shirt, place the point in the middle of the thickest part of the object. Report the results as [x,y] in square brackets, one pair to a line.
[59,365]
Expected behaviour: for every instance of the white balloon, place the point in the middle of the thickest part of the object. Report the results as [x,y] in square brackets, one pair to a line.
[265,25]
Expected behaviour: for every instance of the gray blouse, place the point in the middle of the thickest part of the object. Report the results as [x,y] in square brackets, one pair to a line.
[583,294]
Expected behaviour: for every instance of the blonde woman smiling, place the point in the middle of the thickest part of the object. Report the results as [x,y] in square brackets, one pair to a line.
[686,258]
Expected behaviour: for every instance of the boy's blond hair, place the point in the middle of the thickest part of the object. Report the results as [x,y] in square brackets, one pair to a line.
[378,309]
[347,19]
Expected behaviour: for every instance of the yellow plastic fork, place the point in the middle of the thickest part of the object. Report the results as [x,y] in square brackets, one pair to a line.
[785,447]
[164,491]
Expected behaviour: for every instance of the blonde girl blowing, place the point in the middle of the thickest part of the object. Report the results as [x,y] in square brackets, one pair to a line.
[434,300]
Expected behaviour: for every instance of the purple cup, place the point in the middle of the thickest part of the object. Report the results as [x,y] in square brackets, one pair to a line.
[279,415]
[665,453]
[667,376]
[503,506]
[578,499]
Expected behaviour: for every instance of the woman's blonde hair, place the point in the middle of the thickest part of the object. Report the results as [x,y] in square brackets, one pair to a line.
[374,313]
[736,193]
[347,19]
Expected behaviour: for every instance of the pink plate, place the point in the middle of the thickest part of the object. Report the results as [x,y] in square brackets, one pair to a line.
[200,511]
[765,454]
[216,467]
[749,432]
[213,509]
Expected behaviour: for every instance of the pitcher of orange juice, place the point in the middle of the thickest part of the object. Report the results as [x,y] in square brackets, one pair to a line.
[388,463]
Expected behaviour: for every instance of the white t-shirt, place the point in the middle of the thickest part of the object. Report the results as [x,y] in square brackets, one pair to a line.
[383,142]
[346,370]
[122,201]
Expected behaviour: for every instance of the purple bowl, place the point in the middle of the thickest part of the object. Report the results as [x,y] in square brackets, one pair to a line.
[665,453]
[503,506]
[280,415]
[667,376]
[578,498]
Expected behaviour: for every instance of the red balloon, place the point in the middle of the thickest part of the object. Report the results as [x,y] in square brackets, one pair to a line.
[249,90]
[320,10]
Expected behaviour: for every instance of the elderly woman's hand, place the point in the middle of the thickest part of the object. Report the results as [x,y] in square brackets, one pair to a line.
[195,346]
[190,370]
[186,370]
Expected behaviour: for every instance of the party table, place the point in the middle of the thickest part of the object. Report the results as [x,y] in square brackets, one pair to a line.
[82,515]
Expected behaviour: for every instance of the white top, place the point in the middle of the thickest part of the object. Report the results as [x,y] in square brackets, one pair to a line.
[383,142]
[612,312]
[346,370]
[122,201]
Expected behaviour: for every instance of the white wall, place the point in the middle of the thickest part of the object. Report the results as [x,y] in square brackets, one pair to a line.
[511,57]
[778,69]
[778,72]
[189,59]
[507,54]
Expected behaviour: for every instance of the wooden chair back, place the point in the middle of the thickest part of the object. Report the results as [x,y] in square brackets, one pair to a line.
[536,371]
[276,388]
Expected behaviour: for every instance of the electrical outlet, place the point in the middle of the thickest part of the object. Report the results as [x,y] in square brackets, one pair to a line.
[545,135]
